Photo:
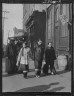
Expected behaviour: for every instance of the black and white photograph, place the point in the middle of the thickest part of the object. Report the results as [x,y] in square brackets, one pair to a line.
[36,47]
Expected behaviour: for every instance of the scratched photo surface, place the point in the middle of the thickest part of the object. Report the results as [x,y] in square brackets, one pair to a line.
[37,47]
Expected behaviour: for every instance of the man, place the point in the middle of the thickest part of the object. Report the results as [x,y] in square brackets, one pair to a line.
[39,51]
[50,57]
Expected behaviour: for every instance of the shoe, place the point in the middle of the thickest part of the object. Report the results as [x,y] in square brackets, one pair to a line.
[52,73]
[37,76]
[25,75]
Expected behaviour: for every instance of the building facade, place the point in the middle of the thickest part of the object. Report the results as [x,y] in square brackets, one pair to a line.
[59,29]
[58,24]
[28,9]
[34,22]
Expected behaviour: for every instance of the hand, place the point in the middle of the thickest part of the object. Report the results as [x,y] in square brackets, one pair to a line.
[17,64]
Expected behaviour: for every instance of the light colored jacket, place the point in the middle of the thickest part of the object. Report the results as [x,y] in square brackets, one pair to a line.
[25,58]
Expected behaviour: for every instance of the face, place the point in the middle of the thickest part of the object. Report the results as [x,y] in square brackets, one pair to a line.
[39,42]
[49,45]
[24,45]
[11,42]
[8,41]
[15,42]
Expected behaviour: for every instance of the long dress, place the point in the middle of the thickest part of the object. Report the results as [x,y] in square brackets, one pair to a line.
[11,60]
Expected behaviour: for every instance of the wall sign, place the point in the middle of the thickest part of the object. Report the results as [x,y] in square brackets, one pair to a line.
[63,19]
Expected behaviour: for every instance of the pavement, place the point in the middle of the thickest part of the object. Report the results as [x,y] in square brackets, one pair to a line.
[61,82]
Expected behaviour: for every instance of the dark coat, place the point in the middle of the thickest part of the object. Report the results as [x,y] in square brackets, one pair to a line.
[39,51]
[11,61]
[50,54]
[11,51]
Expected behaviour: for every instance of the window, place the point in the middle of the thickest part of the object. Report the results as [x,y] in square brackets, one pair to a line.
[61,9]
[49,32]
[49,17]
[64,30]
[56,14]
[49,22]
[64,27]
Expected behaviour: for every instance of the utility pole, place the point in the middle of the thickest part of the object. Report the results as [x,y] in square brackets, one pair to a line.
[3,21]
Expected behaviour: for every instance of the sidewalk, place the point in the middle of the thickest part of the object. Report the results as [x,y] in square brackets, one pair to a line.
[51,83]
[61,82]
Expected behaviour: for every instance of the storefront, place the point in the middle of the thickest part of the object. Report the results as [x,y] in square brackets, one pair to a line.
[59,31]
[36,28]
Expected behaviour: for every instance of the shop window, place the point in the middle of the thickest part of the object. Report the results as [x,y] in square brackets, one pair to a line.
[64,30]
[64,27]
[49,32]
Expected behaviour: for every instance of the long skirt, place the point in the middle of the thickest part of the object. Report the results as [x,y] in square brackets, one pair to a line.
[10,65]
[23,67]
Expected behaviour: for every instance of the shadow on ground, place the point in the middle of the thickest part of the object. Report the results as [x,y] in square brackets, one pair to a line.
[61,72]
[7,75]
[41,88]
[55,89]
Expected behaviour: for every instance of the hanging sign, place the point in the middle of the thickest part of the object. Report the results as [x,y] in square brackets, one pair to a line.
[63,19]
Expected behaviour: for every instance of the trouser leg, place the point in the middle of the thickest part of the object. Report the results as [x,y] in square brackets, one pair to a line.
[46,67]
[25,71]
[39,67]
[51,65]
[52,68]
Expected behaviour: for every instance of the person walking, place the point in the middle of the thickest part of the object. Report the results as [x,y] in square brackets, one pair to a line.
[50,57]
[23,58]
[39,52]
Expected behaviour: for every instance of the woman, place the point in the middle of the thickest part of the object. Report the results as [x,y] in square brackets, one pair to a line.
[39,51]
[23,58]
[50,57]
[11,58]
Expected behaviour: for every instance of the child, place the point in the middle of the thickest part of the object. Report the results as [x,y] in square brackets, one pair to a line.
[23,58]
[50,56]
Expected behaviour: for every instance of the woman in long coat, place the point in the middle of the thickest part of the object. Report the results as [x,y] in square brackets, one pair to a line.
[50,57]
[39,51]
[23,58]
[11,58]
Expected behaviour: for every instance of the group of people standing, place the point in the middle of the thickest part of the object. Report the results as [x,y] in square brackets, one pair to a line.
[22,58]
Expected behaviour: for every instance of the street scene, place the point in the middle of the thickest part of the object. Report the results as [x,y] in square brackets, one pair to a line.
[37,47]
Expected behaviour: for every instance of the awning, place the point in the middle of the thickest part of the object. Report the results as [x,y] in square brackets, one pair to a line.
[18,37]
